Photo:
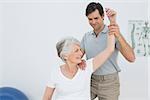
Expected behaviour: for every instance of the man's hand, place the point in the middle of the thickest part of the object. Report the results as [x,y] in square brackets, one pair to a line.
[114,29]
[111,15]
[82,65]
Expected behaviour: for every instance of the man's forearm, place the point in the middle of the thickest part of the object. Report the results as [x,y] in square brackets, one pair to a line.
[126,49]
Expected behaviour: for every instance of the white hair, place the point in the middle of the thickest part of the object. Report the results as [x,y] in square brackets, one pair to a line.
[64,46]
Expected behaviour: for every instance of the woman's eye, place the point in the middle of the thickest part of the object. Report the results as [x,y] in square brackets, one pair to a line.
[76,50]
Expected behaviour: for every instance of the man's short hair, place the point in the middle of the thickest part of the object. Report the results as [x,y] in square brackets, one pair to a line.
[92,7]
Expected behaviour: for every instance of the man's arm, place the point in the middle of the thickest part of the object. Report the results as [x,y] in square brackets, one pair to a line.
[125,49]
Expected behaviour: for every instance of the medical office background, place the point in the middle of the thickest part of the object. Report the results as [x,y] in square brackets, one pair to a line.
[29,30]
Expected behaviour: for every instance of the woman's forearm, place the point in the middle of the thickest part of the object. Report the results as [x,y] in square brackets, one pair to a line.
[104,55]
[48,93]
[101,58]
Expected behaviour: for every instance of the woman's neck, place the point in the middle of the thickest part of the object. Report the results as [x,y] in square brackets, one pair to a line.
[69,70]
[71,67]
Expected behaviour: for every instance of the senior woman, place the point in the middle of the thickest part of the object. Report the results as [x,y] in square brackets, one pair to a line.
[71,82]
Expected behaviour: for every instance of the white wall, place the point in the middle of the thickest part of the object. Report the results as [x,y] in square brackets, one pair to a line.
[30,30]
[0,44]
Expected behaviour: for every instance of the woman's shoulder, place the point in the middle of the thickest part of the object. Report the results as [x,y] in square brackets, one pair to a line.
[89,62]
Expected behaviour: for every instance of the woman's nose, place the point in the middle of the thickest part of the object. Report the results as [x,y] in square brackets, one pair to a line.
[81,53]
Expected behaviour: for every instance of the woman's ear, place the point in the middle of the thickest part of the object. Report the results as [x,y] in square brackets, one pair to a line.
[65,56]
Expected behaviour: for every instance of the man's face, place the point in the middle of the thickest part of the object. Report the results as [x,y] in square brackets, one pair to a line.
[96,20]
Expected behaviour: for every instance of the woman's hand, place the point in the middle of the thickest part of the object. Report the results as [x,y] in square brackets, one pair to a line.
[111,14]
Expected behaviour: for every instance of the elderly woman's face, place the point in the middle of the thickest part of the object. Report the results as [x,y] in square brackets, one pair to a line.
[75,55]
